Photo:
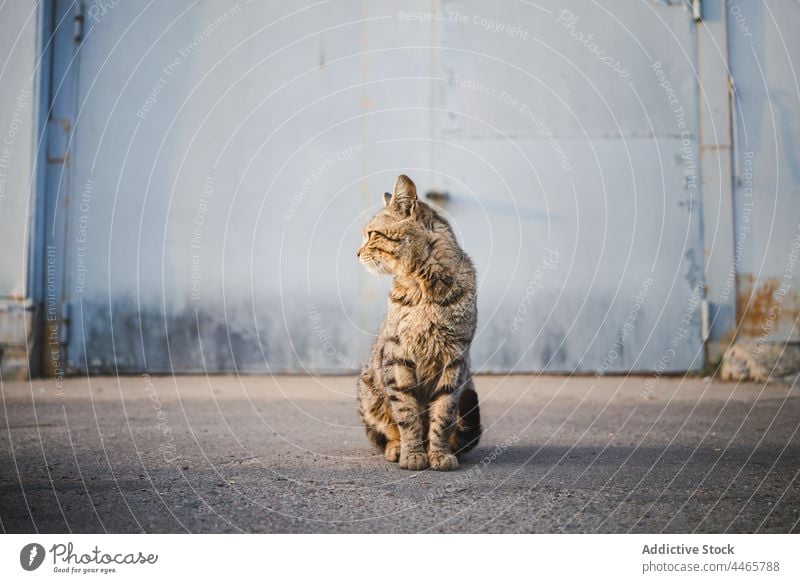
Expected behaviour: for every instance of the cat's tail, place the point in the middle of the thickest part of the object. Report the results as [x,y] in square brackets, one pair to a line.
[468,422]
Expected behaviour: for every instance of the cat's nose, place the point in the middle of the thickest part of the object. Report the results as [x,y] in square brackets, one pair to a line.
[358,252]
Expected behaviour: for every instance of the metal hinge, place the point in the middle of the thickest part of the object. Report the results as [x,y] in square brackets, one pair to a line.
[66,320]
[78,23]
[705,324]
[697,9]
[58,133]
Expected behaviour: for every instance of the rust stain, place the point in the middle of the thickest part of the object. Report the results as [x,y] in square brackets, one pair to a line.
[764,309]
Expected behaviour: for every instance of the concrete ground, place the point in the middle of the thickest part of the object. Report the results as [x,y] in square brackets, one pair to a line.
[286,454]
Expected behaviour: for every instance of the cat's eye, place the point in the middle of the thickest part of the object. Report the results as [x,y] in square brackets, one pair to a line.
[383,236]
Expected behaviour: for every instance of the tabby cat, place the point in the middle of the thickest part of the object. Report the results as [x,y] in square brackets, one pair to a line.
[416,396]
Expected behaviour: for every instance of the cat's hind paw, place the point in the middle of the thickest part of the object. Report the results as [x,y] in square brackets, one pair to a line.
[392,451]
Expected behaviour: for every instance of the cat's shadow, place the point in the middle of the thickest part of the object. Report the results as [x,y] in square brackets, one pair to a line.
[608,454]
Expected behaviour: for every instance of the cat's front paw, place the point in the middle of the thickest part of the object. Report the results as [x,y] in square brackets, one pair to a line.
[392,451]
[414,461]
[443,462]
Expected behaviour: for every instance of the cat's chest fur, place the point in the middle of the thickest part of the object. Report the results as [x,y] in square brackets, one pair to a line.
[426,336]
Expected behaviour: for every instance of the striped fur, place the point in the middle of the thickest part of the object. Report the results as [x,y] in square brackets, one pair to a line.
[416,395]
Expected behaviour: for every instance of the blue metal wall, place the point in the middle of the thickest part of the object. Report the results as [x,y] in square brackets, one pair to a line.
[211,165]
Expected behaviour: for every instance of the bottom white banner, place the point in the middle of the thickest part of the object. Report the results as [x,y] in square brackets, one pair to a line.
[128,557]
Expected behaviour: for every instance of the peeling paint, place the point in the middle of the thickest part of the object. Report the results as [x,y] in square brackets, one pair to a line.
[764,309]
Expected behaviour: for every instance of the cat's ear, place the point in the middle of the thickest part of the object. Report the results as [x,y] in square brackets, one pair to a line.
[404,194]
[387,198]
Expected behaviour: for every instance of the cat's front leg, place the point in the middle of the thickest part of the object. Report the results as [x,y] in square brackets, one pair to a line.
[442,410]
[400,380]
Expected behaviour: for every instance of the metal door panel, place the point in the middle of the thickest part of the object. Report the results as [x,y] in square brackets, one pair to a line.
[270,145]
[766,188]
[545,146]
